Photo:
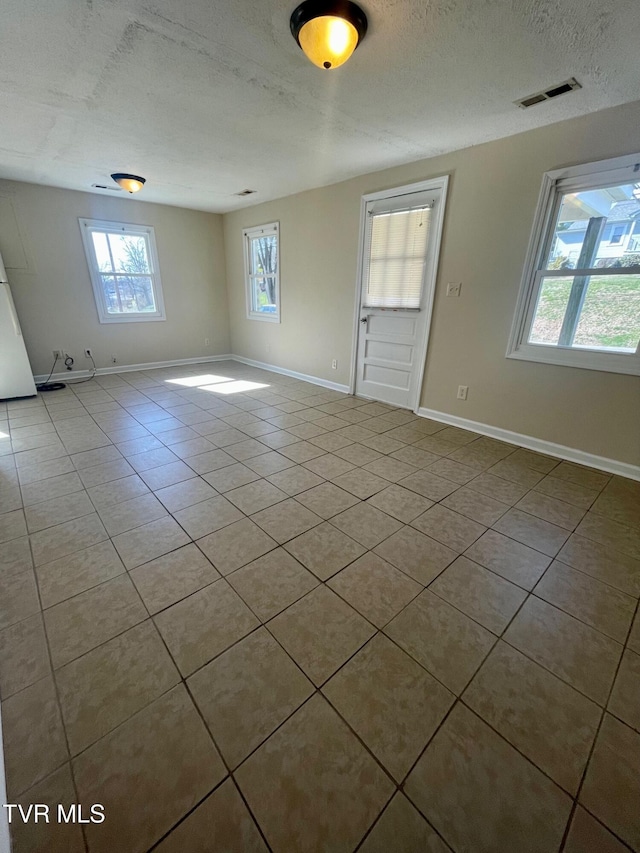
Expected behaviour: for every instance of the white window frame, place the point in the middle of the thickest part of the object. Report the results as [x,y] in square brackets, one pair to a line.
[554,184]
[87,226]
[248,234]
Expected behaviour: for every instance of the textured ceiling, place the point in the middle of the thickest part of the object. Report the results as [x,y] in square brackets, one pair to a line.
[208,97]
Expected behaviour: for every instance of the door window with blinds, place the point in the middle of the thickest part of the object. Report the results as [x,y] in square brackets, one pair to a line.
[396,241]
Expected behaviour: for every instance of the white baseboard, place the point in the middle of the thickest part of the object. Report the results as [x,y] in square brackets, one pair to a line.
[68,375]
[314,380]
[611,466]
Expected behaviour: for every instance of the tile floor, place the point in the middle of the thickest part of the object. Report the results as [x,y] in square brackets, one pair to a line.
[244,613]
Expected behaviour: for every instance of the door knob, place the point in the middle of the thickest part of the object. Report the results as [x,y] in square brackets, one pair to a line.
[363,320]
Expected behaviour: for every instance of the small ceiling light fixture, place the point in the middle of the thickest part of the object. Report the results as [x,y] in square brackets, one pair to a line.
[328,31]
[130,183]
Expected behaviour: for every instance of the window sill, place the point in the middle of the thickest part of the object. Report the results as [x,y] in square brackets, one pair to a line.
[131,318]
[585,359]
[265,318]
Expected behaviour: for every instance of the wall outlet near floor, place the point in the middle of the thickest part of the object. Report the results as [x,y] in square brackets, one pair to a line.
[88,353]
[463,391]
[59,354]
[454,288]
[334,364]
[114,360]
[206,342]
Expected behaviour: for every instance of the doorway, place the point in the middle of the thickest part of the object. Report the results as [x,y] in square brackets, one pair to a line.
[400,237]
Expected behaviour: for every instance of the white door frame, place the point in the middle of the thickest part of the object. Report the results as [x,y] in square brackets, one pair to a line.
[430,275]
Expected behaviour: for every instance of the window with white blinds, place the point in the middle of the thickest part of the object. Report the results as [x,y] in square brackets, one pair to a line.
[395,254]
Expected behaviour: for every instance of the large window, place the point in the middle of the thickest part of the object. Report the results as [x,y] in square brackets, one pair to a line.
[261,250]
[123,265]
[579,303]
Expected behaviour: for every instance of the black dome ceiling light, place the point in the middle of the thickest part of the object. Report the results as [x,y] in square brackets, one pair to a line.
[328,31]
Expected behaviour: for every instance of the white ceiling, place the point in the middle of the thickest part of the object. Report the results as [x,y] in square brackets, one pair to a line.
[206,98]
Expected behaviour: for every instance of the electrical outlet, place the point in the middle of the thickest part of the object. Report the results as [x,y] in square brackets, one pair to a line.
[88,353]
[334,364]
[206,342]
[59,354]
[454,288]
[114,360]
[463,391]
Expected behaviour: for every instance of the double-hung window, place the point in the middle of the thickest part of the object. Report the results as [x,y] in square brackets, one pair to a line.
[261,251]
[123,265]
[579,303]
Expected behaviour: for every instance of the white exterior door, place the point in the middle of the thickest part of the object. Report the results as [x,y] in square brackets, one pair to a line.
[400,239]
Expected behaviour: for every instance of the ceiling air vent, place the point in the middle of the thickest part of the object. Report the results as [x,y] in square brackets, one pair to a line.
[103,187]
[548,94]
[246,192]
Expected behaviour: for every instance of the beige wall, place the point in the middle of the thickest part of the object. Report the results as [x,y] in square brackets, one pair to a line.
[52,291]
[492,198]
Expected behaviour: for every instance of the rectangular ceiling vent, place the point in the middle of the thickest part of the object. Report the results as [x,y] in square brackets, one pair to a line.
[246,192]
[104,187]
[555,91]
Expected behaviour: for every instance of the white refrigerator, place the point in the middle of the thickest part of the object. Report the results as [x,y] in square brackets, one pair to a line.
[16,378]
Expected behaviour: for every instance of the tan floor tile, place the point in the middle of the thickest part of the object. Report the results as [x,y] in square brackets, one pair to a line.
[390,469]
[449,527]
[64,539]
[401,827]
[143,462]
[326,500]
[172,577]
[581,475]
[429,485]
[269,463]
[366,524]
[58,510]
[15,557]
[72,575]
[98,474]
[595,603]
[167,475]
[284,796]
[295,480]
[551,509]
[185,494]
[54,836]
[247,692]
[476,506]
[587,835]
[246,449]
[451,469]
[203,625]
[149,541]
[611,789]
[331,442]
[320,632]
[468,770]
[510,559]
[361,483]
[400,503]
[207,516]
[221,822]
[414,456]
[34,743]
[634,636]
[108,685]
[497,488]
[148,773]
[446,642]
[436,444]
[325,550]
[563,490]
[271,583]
[255,496]
[98,456]
[18,598]
[620,500]
[611,533]
[375,588]
[625,697]
[603,563]
[127,515]
[236,545]
[537,461]
[231,477]
[481,594]
[53,487]
[516,472]
[43,470]
[116,491]
[328,466]
[578,654]
[286,520]
[549,722]
[210,461]
[532,531]
[358,454]
[24,655]
[416,554]
[390,701]
[79,624]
